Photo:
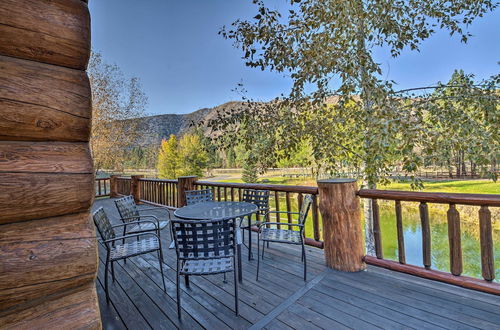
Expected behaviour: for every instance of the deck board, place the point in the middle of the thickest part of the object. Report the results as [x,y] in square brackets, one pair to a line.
[376,298]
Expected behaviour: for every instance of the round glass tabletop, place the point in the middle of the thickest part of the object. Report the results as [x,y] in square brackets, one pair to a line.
[215,210]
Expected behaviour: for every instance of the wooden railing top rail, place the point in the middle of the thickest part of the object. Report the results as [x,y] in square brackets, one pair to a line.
[158,180]
[272,187]
[124,178]
[430,197]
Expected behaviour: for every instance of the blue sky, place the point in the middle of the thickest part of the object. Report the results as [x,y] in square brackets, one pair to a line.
[184,65]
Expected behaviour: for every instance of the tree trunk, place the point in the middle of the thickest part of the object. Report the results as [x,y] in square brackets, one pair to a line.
[369,237]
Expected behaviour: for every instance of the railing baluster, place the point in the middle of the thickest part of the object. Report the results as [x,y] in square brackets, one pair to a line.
[485,236]
[376,229]
[426,234]
[299,201]
[232,194]
[288,206]
[401,239]
[277,206]
[454,240]
[218,194]
[240,194]
[225,193]
[315,218]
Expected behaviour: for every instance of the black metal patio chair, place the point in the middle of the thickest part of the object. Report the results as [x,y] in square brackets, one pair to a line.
[261,199]
[199,196]
[205,247]
[147,241]
[130,214]
[272,232]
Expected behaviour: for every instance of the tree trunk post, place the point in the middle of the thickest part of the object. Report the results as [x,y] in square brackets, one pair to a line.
[135,187]
[342,233]
[113,186]
[184,183]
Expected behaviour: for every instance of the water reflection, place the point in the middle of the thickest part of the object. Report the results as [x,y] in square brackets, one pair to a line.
[439,238]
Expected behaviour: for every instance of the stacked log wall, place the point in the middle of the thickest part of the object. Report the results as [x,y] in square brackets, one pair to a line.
[48,249]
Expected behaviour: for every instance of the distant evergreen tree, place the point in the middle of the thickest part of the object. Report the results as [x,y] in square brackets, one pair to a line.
[249,174]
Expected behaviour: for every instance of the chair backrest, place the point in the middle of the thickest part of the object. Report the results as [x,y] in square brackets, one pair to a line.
[127,208]
[257,197]
[204,239]
[199,196]
[103,224]
[304,210]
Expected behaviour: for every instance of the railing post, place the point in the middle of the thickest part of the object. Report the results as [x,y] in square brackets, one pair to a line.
[342,234]
[135,187]
[113,186]
[184,183]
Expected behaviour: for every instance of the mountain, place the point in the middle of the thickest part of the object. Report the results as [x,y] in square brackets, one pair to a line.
[155,128]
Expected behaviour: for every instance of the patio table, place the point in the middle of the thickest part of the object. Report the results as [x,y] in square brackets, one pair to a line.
[214,210]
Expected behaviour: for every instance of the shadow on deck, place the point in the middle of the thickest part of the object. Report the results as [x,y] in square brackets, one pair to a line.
[375,298]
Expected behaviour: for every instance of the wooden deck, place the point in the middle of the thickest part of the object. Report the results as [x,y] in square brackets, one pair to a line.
[376,298]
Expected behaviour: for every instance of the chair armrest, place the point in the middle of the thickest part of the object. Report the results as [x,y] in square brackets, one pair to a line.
[143,216]
[136,222]
[130,236]
[280,223]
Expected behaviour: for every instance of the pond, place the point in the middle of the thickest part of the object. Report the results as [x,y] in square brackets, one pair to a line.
[439,237]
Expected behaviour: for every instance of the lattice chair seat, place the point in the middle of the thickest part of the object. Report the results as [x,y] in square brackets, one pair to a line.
[132,244]
[199,196]
[132,228]
[134,247]
[207,266]
[205,247]
[281,235]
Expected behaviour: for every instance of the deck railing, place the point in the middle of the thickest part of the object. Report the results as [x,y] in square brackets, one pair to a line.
[484,201]
[159,191]
[102,187]
[337,228]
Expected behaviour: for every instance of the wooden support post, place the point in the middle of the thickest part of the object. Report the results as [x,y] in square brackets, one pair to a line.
[426,235]
[185,183]
[113,186]
[454,238]
[135,188]
[486,239]
[342,234]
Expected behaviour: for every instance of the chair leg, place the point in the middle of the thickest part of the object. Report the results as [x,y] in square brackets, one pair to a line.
[178,293]
[123,241]
[113,270]
[225,280]
[106,277]
[250,256]
[160,259]
[305,261]
[186,280]
[263,247]
[236,300]
[258,256]
[124,232]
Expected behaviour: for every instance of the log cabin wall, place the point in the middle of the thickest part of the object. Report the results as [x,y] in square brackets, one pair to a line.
[48,252]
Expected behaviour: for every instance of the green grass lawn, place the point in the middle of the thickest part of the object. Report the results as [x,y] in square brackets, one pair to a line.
[464,186]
